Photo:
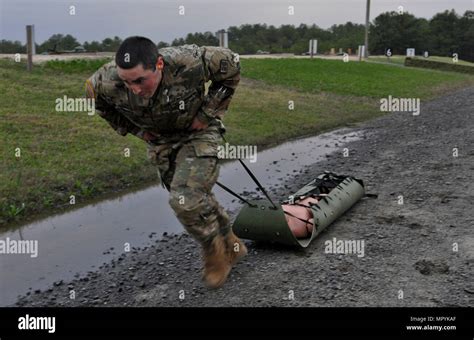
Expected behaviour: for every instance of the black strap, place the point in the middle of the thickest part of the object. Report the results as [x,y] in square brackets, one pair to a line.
[302,205]
[290,214]
[236,195]
[327,179]
[258,183]
[254,178]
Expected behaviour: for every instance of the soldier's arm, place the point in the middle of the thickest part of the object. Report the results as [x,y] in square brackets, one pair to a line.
[222,67]
[116,120]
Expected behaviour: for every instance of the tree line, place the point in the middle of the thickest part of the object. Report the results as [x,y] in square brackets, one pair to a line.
[445,33]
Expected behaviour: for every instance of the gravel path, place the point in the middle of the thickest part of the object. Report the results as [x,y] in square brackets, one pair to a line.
[410,249]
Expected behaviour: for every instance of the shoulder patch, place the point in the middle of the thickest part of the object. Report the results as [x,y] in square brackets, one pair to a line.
[224,66]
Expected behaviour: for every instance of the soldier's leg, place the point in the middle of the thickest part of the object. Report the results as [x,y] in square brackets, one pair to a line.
[197,209]
[205,170]
[191,196]
[163,157]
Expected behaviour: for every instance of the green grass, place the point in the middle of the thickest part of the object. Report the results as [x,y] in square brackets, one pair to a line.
[396,59]
[351,78]
[400,60]
[71,153]
[260,113]
[448,60]
[75,65]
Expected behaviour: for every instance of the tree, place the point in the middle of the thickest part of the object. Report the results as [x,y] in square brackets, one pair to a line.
[93,46]
[7,46]
[111,45]
[347,36]
[446,32]
[58,42]
[466,42]
[69,42]
[398,32]
[162,44]
[177,42]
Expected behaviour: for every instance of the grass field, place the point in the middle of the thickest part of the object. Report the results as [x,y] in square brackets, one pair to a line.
[71,153]
[400,60]
[352,78]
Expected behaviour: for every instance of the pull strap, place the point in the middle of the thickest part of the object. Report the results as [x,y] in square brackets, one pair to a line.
[235,195]
[254,178]
[305,221]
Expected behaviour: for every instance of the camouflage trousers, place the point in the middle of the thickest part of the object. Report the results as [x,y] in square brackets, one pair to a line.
[188,169]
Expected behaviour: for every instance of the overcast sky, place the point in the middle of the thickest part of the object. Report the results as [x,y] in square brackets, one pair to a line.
[160,19]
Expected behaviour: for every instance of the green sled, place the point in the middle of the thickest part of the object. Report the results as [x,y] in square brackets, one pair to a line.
[264,222]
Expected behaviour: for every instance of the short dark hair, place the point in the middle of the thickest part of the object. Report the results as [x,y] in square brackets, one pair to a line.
[137,50]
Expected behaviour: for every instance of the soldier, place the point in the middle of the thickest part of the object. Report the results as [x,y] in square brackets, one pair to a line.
[159,96]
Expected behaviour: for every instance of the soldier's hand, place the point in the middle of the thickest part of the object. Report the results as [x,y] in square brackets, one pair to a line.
[198,125]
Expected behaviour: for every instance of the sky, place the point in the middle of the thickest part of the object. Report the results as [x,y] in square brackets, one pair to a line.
[160,20]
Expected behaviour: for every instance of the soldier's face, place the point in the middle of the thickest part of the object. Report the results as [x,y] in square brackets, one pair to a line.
[140,81]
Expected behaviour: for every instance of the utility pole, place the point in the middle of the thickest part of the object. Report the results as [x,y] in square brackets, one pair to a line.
[223,38]
[29,46]
[367,20]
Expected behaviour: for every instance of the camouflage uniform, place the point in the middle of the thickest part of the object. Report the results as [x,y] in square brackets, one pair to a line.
[186,160]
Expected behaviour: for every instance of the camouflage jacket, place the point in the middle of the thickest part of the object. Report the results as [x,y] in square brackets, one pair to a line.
[179,98]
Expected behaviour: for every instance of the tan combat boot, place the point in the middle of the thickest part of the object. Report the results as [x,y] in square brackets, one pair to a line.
[217,262]
[236,247]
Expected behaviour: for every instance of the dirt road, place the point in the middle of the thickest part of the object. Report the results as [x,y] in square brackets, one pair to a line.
[419,253]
